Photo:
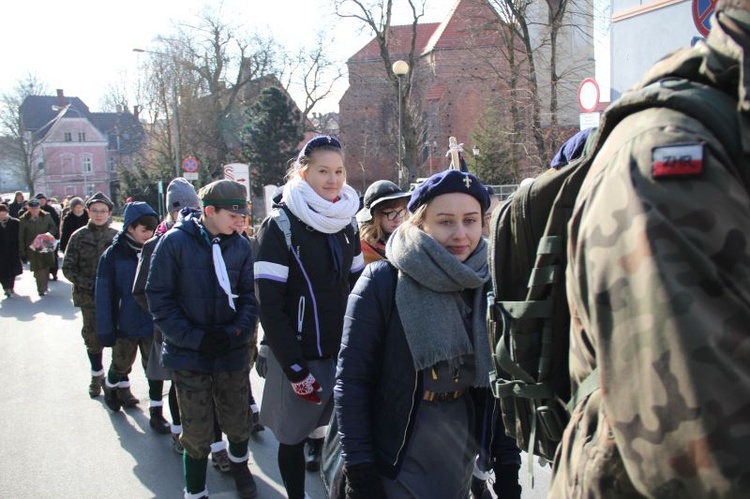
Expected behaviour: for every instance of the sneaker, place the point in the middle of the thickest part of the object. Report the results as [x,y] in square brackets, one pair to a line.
[313,448]
[176,445]
[111,397]
[256,423]
[95,387]
[220,459]
[127,399]
[243,480]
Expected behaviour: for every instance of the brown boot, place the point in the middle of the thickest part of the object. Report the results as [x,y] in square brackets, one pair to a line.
[95,387]
[127,399]
[243,480]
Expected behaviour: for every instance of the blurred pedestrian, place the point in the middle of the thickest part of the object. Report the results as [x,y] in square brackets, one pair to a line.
[10,261]
[33,223]
[383,211]
[120,322]
[200,292]
[82,253]
[302,289]
[414,348]
[47,207]
[16,207]
[72,221]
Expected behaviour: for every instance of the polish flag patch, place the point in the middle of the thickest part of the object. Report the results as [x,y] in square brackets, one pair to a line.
[678,160]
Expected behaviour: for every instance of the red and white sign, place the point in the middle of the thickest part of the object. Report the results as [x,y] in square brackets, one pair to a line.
[239,172]
[588,95]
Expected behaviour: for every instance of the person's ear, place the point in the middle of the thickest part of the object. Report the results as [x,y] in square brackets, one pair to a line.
[209,210]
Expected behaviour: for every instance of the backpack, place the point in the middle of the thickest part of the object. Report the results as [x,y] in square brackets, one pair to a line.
[528,315]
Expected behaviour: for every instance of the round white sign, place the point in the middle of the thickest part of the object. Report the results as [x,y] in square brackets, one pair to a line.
[588,95]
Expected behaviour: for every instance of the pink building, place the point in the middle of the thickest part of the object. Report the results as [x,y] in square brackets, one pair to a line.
[77,152]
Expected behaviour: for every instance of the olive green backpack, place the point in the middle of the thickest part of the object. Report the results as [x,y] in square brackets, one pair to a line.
[529,320]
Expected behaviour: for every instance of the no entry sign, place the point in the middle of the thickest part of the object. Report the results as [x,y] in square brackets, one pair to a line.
[588,95]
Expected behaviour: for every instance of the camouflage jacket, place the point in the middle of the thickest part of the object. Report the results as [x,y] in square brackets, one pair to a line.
[659,289]
[28,229]
[82,254]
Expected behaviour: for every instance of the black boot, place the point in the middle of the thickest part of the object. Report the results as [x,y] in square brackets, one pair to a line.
[111,397]
[157,421]
[506,481]
[313,448]
[479,489]
[243,480]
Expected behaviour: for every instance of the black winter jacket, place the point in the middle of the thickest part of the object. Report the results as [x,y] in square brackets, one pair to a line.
[302,308]
[376,370]
[186,300]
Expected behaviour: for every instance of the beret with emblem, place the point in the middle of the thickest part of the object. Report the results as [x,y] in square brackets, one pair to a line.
[447,182]
[225,194]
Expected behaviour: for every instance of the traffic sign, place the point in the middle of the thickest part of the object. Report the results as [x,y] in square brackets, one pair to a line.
[589,120]
[702,10]
[190,164]
[588,95]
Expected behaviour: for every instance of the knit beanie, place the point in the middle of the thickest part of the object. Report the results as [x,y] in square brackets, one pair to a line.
[76,201]
[181,193]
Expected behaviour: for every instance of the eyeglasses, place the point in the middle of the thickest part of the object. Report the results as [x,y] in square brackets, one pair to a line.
[394,214]
[99,212]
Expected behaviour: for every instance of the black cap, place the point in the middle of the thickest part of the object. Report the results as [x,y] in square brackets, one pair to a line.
[99,197]
[379,192]
[40,196]
[33,203]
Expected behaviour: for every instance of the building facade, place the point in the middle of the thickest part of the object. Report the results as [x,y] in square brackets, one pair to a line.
[76,152]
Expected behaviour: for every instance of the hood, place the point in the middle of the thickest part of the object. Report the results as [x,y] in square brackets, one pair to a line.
[134,211]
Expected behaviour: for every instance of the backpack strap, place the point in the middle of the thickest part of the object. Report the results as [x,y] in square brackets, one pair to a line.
[282,221]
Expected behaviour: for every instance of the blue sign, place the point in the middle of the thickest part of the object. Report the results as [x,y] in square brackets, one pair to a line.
[702,10]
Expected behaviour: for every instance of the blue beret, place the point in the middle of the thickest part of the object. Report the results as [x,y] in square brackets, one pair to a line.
[446,182]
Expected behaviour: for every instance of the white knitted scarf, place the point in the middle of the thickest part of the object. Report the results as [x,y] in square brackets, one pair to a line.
[320,214]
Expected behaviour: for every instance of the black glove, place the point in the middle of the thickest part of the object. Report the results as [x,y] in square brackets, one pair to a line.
[215,343]
[261,362]
[363,482]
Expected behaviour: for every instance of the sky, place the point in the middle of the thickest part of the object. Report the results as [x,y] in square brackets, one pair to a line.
[85,46]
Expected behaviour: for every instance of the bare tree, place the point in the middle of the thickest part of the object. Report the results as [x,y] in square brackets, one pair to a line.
[24,142]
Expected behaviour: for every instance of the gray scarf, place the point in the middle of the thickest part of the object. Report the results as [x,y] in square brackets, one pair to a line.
[429,302]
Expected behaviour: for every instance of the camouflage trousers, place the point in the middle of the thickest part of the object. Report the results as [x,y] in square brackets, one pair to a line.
[123,355]
[197,395]
[88,331]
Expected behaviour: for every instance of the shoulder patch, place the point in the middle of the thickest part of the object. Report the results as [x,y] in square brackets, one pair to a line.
[677,160]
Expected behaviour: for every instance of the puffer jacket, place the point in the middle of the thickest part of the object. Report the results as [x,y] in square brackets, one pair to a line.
[373,333]
[186,300]
[117,313]
[303,297]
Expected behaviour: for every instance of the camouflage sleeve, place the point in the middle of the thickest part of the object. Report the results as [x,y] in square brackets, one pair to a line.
[659,284]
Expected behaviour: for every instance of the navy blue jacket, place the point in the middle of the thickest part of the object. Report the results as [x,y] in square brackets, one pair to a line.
[377,390]
[186,300]
[117,313]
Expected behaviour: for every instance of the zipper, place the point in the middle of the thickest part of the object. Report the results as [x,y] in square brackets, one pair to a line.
[300,317]
[314,302]
[408,420]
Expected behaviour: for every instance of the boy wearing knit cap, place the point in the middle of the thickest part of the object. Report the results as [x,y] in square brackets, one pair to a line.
[200,290]
[82,253]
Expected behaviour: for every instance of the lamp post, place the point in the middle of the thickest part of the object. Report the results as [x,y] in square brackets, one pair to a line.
[400,68]
[475,150]
[176,131]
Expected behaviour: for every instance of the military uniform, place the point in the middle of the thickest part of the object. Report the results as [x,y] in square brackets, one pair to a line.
[659,289]
[39,263]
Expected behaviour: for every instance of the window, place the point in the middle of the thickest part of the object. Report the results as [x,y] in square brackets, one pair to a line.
[112,165]
[70,190]
[89,191]
[66,163]
[87,166]
[81,136]
[68,137]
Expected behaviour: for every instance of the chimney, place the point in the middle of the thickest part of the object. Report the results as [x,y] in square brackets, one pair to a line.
[60,97]
[136,111]
[119,108]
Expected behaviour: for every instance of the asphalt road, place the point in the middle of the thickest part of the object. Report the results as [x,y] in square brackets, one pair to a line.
[58,443]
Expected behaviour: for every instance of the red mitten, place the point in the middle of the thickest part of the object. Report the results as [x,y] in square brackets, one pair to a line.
[308,389]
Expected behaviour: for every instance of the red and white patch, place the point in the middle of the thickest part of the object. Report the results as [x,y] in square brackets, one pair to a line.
[683,160]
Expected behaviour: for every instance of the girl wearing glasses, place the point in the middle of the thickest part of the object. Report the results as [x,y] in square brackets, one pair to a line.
[384,210]
[302,288]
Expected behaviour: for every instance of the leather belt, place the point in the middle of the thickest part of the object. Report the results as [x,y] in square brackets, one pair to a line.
[441,396]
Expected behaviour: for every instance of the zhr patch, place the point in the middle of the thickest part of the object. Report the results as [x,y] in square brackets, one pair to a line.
[678,160]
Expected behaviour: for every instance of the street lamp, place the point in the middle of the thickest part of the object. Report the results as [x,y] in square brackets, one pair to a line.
[400,68]
[174,110]
[475,150]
